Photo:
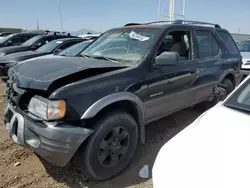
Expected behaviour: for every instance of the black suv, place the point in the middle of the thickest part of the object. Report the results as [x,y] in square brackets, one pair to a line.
[53,47]
[95,106]
[33,43]
[15,39]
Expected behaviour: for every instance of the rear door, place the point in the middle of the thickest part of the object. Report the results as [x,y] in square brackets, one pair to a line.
[233,56]
[209,54]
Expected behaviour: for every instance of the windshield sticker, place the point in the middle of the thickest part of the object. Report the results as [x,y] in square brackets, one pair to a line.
[59,42]
[136,36]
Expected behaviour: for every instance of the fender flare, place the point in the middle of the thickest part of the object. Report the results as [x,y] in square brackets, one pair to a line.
[117,97]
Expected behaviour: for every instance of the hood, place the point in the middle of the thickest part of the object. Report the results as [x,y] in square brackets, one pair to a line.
[42,57]
[14,49]
[212,152]
[40,73]
[20,56]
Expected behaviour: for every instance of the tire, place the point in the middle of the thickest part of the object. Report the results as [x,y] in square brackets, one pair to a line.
[229,84]
[102,143]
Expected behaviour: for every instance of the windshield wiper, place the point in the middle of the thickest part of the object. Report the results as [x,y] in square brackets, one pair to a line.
[106,58]
[83,55]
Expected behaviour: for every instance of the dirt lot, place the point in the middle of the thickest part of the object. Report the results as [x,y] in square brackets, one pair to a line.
[31,172]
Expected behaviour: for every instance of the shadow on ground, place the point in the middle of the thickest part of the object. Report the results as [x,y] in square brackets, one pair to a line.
[157,134]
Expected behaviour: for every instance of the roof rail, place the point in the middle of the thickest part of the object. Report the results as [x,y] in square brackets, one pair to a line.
[195,22]
[176,22]
[186,22]
[129,24]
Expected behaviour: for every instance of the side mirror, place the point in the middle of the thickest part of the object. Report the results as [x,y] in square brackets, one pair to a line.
[9,42]
[36,46]
[167,59]
[57,51]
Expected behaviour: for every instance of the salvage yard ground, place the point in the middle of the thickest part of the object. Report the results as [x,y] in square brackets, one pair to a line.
[20,168]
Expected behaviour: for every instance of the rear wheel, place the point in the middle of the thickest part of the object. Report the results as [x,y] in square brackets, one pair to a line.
[110,149]
[220,93]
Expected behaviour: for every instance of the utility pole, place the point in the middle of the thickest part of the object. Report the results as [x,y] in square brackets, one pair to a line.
[37,25]
[61,18]
[171,12]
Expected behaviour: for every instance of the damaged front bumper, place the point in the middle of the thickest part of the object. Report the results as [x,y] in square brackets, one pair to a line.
[56,144]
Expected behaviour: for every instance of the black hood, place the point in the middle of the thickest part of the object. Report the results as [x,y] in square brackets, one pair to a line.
[41,73]
[20,56]
[14,49]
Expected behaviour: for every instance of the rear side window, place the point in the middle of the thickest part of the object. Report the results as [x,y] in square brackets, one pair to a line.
[68,44]
[228,41]
[207,45]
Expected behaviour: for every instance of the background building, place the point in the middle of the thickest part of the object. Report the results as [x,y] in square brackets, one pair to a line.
[240,37]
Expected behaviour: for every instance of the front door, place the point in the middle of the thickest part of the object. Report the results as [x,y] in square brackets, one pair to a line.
[171,88]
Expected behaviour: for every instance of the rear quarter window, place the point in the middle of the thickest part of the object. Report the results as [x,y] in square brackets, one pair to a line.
[229,42]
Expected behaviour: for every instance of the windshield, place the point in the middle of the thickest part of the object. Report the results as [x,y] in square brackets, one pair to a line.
[240,99]
[49,47]
[125,45]
[2,40]
[31,41]
[244,46]
[74,50]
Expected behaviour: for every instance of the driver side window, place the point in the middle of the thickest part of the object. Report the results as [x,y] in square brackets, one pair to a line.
[177,41]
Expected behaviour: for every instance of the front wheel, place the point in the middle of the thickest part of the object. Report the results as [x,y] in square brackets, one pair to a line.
[110,149]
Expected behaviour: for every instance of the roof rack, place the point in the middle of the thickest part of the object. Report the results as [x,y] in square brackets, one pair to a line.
[195,22]
[129,24]
[176,22]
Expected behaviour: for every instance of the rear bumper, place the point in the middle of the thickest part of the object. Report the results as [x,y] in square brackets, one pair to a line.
[245,73]
[238,78]
[55,144]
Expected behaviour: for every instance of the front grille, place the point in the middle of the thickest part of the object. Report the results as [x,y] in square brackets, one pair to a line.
[13,93]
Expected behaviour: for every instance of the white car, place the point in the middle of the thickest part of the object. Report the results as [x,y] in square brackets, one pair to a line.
[244,48]
[212,152]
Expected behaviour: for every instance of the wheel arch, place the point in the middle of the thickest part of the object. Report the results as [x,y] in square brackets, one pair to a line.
[121,100]
[229,74]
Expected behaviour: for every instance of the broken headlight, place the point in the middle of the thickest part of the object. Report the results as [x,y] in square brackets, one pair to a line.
[47,109]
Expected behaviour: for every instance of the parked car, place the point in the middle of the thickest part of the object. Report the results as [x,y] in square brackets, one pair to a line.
[94,107]
[89,36]
[15,39]
[69,52]
[4,34]
[33,43]
[53,47]
[244,48]
[213,151]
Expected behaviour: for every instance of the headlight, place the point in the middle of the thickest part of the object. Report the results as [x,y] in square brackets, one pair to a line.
[2,54]
[47,109]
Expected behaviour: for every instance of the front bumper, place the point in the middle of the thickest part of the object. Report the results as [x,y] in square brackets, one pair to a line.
[56,144]
[4,72]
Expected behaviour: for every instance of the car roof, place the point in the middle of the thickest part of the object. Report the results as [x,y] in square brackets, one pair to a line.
[68,39]
[177,23]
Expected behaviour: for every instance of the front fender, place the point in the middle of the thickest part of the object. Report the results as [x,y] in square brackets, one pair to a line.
[110,99]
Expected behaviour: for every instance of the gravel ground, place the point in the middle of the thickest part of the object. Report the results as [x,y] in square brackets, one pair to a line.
[20,168]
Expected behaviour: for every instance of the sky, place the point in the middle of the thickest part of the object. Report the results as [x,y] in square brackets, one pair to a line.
[100,15]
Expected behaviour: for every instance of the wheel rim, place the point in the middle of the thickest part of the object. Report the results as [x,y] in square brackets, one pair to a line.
[113,147]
